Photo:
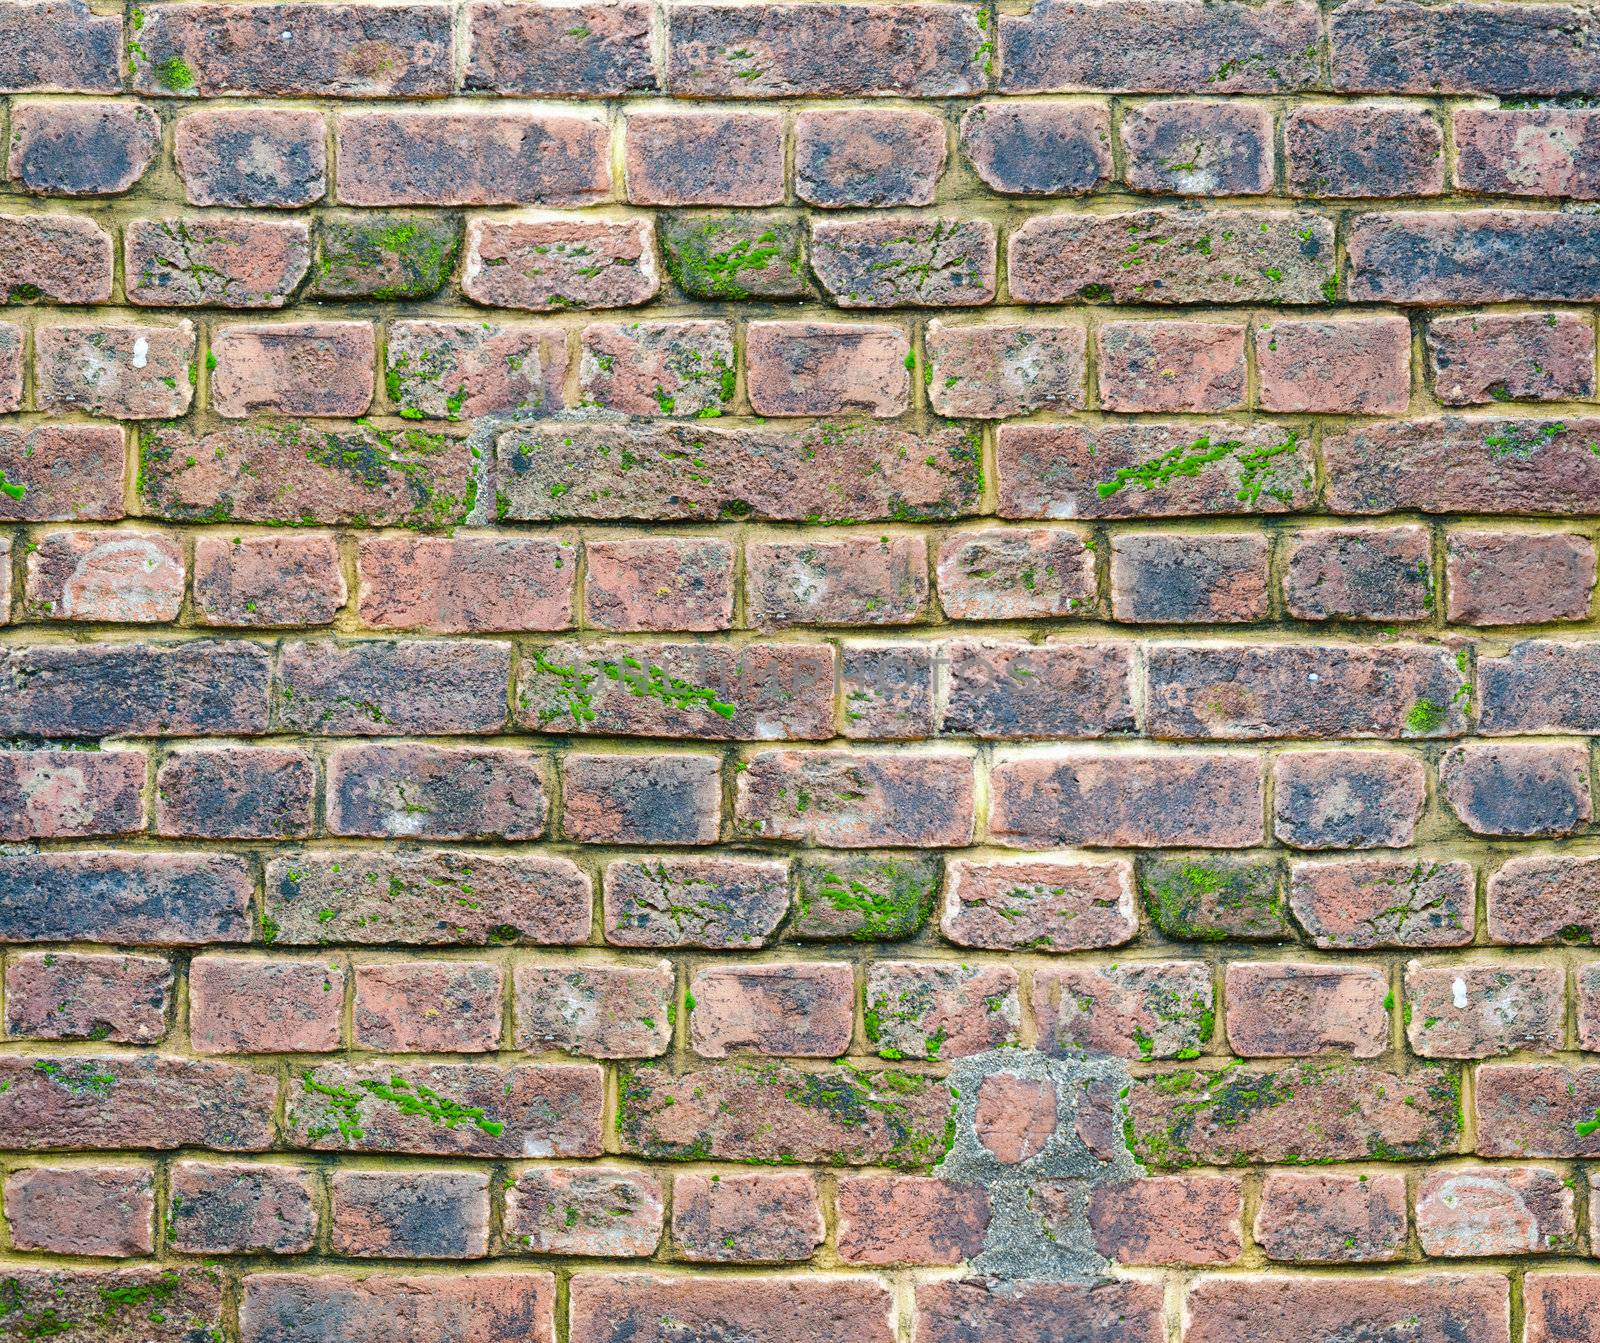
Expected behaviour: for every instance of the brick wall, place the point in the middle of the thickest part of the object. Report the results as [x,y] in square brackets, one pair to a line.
[799,673]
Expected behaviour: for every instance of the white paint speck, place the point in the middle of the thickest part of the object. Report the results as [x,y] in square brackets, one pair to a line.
[141,352]
[1458,991]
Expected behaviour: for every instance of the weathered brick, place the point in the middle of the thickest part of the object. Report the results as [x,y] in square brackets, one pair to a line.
[1171,366]
[253,581]
[710,903]
[973,1311]
[1283,1010]
[550,265]
[104,1211]
[571,51]
[1500,788]
[59,46]
[905,262]
[245,1005]
[1346,151]
[1038,149]
[1473,256]
[11,362]
[1486,357]
[215,1208]
[1152,1010]
[1184,1220]
[410,790]
[863,897]
[641,799]
[1019,690]
[390,688]
[1214,898]
[1586,992]
[476,1308]
[1332,1219]
[1348,799]
[1538,686]
[587,1210]
[1559,1307]
[420,1214]
[461,370]
[1478,1011]
[304,368]
[114,576]
[1372,354]
[658,368]
[203,261]
[867,157]
[1198,148]
[126,372]
[919,1010]
[1537,1110]
[1016,1117]
[814,368]
[737,254]
[1537,900]
[57,258]
[1182,578]
[761,1219]
[428,1007]
[1015,574]
[81,149]
[116,1304]
[1360,574]
[62,473]
[599,1011]
[70,794]
[1039,904]
[1360,904]
[235,792]
[386,256]
[887,691]
[857,581]
[260,157]
[69,995]
[993,370]
[1542,151]
[892,1221]
[658,583]
[466,585]
[704,158]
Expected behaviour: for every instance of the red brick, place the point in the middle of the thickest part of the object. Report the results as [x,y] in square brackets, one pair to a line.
[81,149]
[586,1210]
[704,158]
[641,799]
[1198,148]
[1122,799]
[386,255]
[1183,578]
[90,1210]
[235,792]
[923,1010]
[390,688]
[737,254]
[70,794]
[57,258]
[1560,1307]
[1586,992]
[1348,799]
[1181,1220]
[891,1221]
[215,1208]
[658,583]
[1015,574]
[1017,690]
[1016,1117]
[11,361]
[863,897]
[255,581]
[868,157]
[751,1219]
[68,995]
[1039,904]
[1538,686]
[573,51]
[214,261]
[188,1300]
[659,368]
[1384,902]
[475,1308]
[245,1005]
[556,264]
[1282,1010]
[1536,1110]
[1151,1010]
[599,1011]
[459,370]
[305,368]
[417,1214]
[886,691]
[271,158]
[59,46]
[976,1311]
[1536,151]
[1488,357]
[852,581]
[410,790]
[710,903]
[1488,1210]
[1361,574]
[1354,151]
[1372,354]
[1167,366]
[1473,256]
[1215,898]
[1332,1219]
[428,1007]
[994,370]
[905,262]
[1038,149]
[466,585]
[814,368]
[1497,788]
[127,372]
[855,800]
[113,576]
[1478,1011]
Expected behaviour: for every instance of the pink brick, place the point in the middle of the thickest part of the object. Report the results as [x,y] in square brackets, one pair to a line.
[70,794]
[121,577]
[225,262]
[1384,902]
[550,265]
[1478,1211]
[459,370]
[1167,366]
[1288,1010]
[1528,151]
[659,583]
[1354,151]
[892,1221]
[410,1214]
[1039,904]
[263,157]
[994,369]
[1477,359]
[89,1210]
[245,1005]
[641,799]
[1198,148]
[858,799]
[1181,577]
[305,368]
[1518,578]
[466,585]
[1015,574]
[659,368]
[704,158]
[1183,1220]
[1016,1116]
[737,903]
[1338,1219]
[71,995]
[1372,354]
[1479,1011]
[235,792]
[792,1010]
[216,1208]
[761,1219]
[438,1007]
[920,1010]
[856,581]
[416,790]
[585,1210]
[811,368]
[599,1011]
[1151,1010]
[475,1308]
[868,157]
[58,258]
[125,371]
[1560,1307]
[267,580]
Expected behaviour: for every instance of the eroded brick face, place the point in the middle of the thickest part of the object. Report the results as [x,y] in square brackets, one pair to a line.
[799,672]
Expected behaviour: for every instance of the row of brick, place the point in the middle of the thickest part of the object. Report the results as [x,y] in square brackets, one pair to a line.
[1159,255]
[859,157]
[767,50]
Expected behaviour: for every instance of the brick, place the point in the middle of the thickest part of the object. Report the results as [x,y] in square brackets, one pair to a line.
[69,995]
[905,262]
[65,473]
[891,1221]
[922,1010]
[886,691]
[996,689]
[1282,1010]
[114,576]
[1039,904]
[216,1208]
[243,1005]
[1183,1220]
[59,46]
[214,261]
[704,158]
[1198,148]
[1169,366]
[187,1299]
[1542,151]
[856,581]
[1541,901]
[760,1219]
[428,1007]
[89,1210]
[994,370]
[641,799]
[480,1308]
[387,688]
[266,158]
[1352,151]
[737,254]
[387,256]
[1015,574]
[333,50]
[855,800]
[1120,799]
[1348,799]
[1016,1117]
[466,585]
[816,368]
[11,361]
[1332,1219]
[1214,898]
[307,368]
[832,50]
[863,897]
[578,51]
[461,370]
[229,792]
[1037,1312]
[551,265]
[599,1011]
[84,1102]
[81,149]
[658,583]
[415,791]
[1498,788]
[425,898]
[1038,149]
[131,899]
[691,691]
[1536,1110]
[1489,1210]
[1474,360]
[1558,1307]
[1473,256]
[709,903]
[1153,1010]
[868,157]
[1586,991]
[1478,1011]
[1297,1111]
[1372,354]
[422,1214]
[1360,574]
[127,372]
[856,473]
[587,1210]
[260,581]
[1539,685]
[659,368]
[1071,46]
[57,258]
[1124,470]
[474,1109]
[70,794]
[1182,578]
[1168,256]
[1362,904]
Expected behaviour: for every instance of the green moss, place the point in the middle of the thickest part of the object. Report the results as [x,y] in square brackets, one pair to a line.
[10,488]
[388,257]
[174,74]
[1259,470]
